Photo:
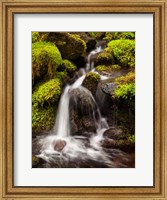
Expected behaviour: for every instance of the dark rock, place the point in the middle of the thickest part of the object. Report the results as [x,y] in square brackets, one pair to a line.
[59,145]
[108,143]
[82,101]
[124,145]
[88,124]
[114,133]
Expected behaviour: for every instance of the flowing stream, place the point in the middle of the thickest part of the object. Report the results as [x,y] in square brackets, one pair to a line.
[61,148]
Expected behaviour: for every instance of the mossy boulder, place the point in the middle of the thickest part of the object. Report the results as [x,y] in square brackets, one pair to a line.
[47,93]
[70,45]
[35,161]
[91,81]
[43,118]
[104,58]
[45,60]
[90,41]
[123,51]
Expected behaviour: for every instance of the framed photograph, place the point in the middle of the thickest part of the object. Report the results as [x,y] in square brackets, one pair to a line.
[83,95]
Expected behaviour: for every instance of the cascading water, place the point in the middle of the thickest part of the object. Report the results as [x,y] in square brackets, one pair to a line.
[60,148]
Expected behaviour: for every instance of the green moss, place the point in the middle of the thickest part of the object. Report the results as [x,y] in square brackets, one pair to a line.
[45,60]
[105,58]
[91,81]
[123,51]
[70,45]
[67,66]
[128,78]
[108,69]
[119,35]
[126,86]
[47,93]
[35,37]
[43,118]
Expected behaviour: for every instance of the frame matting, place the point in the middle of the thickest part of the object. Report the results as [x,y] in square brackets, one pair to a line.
[8,9]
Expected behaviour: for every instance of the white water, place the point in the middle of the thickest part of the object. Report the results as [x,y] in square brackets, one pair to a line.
[75,147]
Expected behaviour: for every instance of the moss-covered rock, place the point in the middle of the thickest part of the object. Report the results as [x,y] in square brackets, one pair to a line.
[89,40]
[108,69]
[123,51]
[70,45]
[91,81]
[47,93]
[104,58]
[119,35]
[45,60]
[43,118]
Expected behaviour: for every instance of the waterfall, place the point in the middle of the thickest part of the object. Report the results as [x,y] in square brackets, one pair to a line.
[62,123]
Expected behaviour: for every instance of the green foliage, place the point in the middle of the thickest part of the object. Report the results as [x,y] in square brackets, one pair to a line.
[43,118]
[91,80]
[47,93]
[45,60]
[123,51]
[109,69]
[104,58]
[126,86]
[35,37]
[119,35]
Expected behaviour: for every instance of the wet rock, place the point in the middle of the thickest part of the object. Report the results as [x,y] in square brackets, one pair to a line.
[108,143]
[115,133]
[59,145]
[82,101]
[124,145]
[88,124]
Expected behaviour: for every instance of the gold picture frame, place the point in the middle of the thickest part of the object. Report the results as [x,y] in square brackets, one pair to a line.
[159,10]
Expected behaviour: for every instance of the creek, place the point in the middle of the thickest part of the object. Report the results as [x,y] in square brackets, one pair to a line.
[61,148]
